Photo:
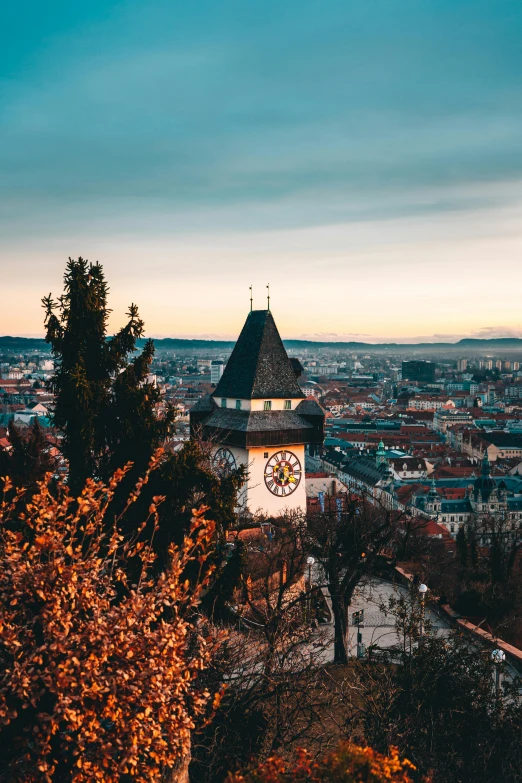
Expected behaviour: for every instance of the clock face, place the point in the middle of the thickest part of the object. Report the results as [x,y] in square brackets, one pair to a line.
[282,473]
[224,462]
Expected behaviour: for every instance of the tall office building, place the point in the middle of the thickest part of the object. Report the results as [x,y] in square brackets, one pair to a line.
[216,372]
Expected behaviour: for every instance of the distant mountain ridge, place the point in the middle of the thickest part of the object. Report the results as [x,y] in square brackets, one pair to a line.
[173,343]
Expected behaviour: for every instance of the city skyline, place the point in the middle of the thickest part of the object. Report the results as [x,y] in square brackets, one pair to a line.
[228,551]
[365,162]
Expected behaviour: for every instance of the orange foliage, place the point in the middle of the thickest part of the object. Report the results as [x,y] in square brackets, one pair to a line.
[98,675]
[349,764]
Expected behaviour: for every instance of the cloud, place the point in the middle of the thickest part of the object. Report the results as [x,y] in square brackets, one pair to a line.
[484,333]
[334,336]
[308,118]
[490,332]
[366,155]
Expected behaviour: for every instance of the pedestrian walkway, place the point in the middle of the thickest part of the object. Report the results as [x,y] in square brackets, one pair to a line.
[378,627]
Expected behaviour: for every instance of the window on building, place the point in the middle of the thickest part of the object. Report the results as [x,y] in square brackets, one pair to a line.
[238,405]
[288,405]
[223,402]
[267,405]
[452,528]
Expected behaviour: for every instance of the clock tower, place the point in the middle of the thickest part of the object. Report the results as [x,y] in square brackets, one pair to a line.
[259,417]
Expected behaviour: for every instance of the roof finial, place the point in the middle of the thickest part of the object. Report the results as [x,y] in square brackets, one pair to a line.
[250,298]
[268,296]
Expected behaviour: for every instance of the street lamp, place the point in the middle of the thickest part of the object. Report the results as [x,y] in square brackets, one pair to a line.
[310,561]
[422,593]
[498,657]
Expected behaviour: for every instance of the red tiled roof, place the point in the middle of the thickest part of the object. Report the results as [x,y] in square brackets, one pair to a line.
[452,493]
[432,528]
[15,382]
[445,471]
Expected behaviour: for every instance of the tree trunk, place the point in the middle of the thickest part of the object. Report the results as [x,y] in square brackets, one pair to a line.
[340,613]
[180,773]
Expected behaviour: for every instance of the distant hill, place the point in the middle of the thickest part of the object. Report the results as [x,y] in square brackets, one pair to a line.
[23,344]
[500,342]
[469,344]
[171,343]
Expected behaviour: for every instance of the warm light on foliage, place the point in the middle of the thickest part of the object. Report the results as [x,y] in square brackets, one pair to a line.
[97,674]
[349,764]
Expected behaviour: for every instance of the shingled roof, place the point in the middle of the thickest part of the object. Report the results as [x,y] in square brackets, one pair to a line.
[259,367]
[256,421]
[365,470]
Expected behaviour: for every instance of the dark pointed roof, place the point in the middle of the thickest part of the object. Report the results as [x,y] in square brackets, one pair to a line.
[259,367]
[309,407]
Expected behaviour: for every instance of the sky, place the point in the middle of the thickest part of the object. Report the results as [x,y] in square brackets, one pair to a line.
[364,157]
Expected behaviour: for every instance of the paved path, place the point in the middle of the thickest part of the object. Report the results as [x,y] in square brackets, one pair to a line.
[379,626]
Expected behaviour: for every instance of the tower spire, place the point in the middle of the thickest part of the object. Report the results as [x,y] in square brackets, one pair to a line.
[268,296]
[250,298]
[381,454]
[259,366]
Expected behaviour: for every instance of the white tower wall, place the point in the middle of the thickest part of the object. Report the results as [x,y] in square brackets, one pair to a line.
[255,495]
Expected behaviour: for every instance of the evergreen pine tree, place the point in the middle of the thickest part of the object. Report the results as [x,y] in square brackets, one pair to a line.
[186,480]
[106,412]
[104,407]
[496,559]
[473,549]
[462,548]
[29,458]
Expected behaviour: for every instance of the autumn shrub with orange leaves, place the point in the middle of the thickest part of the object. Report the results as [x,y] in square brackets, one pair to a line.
[98,669]
[348,764]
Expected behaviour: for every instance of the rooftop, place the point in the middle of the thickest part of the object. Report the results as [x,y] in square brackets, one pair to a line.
[259,366]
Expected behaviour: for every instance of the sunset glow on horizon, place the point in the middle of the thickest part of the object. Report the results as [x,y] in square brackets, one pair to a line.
[366,163]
